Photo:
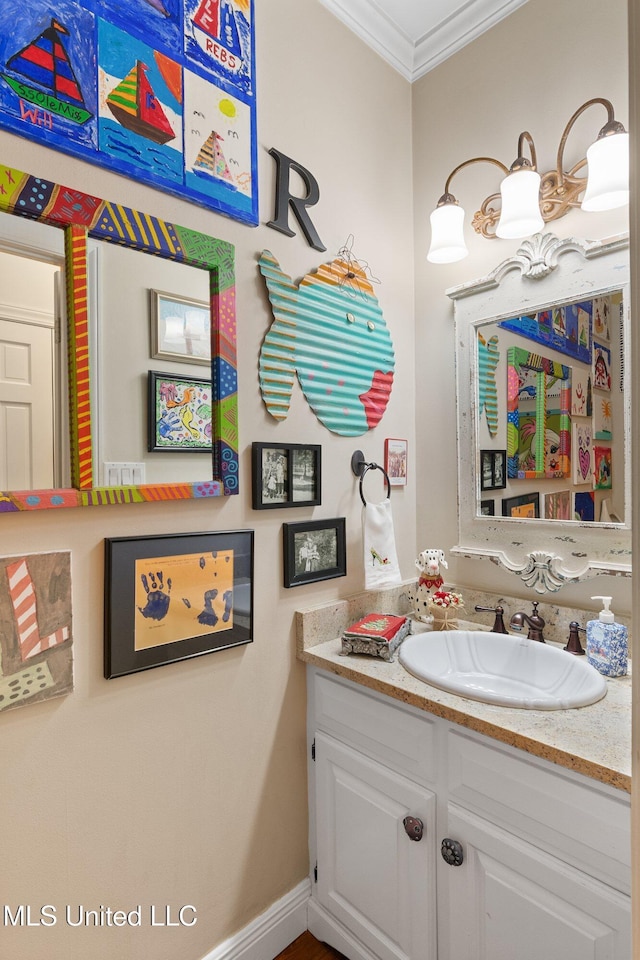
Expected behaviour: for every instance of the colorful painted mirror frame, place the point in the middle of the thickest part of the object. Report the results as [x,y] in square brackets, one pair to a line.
[83,216]
[546,371]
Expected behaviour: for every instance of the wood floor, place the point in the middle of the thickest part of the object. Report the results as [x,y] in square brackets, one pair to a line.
[307,947]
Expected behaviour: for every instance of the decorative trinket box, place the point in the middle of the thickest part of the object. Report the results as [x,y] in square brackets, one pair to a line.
[377,634]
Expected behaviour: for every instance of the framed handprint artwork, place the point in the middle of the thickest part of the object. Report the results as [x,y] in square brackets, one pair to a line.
[172,597]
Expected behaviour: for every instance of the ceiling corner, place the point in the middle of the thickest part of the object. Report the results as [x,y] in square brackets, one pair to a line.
[377,30]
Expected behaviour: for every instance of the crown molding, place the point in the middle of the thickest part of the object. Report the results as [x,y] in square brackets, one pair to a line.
[466,24]
[368,22]
[412,58]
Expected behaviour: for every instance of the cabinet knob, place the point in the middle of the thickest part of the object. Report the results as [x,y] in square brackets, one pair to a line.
[452,852]
[414,827]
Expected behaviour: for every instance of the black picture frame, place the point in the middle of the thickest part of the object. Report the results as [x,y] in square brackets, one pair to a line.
[493,469]
[517,506]
[324,538]
[293,469]
[487,508]
[171,597]
[190,393]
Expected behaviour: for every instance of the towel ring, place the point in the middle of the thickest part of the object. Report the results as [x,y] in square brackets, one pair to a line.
[374,466]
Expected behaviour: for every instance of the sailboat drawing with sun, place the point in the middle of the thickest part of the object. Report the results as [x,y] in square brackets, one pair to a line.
[134,105]
[211,161]
[51,82]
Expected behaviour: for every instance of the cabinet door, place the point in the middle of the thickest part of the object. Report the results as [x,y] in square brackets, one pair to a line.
[511,901]
[372,877]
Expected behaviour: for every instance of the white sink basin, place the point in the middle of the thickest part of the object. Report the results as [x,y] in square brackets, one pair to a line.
[506,670]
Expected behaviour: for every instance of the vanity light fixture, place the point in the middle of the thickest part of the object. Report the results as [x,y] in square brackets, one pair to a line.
[527,199]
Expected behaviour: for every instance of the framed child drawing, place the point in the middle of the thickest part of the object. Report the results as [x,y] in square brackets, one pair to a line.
[162,91]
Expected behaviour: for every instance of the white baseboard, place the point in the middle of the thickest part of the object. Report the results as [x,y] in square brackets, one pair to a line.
[326,928]
[266,936]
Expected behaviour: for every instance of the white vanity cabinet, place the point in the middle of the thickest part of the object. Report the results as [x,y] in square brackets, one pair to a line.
[371,877]
[545,866]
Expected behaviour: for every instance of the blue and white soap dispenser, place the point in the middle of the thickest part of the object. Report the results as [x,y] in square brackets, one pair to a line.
[607,642]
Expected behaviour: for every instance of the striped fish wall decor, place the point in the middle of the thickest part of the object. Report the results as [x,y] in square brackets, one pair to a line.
[329,331]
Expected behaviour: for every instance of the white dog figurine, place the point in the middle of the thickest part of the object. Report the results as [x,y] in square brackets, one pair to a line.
[430,580]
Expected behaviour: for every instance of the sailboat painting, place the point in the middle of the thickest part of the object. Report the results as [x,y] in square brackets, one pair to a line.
[218,142]
[46,72]
[160,91]
[218,36]
[140,108]
[158,21]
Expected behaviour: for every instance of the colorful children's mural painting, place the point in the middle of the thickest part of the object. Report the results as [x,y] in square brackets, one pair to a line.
[566,328]
[160,91]
[35,628]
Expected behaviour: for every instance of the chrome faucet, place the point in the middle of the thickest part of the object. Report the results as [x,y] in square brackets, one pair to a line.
[534,622]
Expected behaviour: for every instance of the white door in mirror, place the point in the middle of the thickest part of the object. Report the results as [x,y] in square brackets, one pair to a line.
[502,669]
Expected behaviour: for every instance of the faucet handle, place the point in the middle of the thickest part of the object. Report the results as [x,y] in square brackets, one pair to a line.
[573,644]
[498,623]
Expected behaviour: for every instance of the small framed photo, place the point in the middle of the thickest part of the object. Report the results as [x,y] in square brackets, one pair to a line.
[314,550]
[176,596]
[487,508]
[526,506]
[395,461]
[179,413]
[180,328]
[286,475]
[493,469]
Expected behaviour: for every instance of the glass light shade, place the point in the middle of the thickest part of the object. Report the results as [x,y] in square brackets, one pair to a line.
[608,179]
[520,216]
[447,236]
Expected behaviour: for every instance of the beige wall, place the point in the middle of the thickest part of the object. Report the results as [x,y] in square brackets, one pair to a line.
[530,72]
[187,784]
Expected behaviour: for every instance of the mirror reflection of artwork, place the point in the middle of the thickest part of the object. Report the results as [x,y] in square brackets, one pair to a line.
[565,328]
[557,506]
[584,508]
[516,301]
[601,317]
[488,358]
[538,416]
[524,507]
[602,418]
[602,468]
[180,328]
[528,438]
[582,452]
[601,366]
[580,391]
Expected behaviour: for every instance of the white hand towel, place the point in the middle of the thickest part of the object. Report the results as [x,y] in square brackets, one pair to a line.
[380,559]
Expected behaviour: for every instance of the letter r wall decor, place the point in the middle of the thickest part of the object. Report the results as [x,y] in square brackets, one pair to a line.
[162,91]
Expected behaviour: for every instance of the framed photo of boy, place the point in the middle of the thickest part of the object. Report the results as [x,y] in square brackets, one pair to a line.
[286,475]
[314,550]
[175,596]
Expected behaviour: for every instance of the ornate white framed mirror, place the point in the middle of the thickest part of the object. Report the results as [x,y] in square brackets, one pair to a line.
[543,404]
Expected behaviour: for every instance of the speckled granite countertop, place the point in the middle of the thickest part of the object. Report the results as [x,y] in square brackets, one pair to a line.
[593,740]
